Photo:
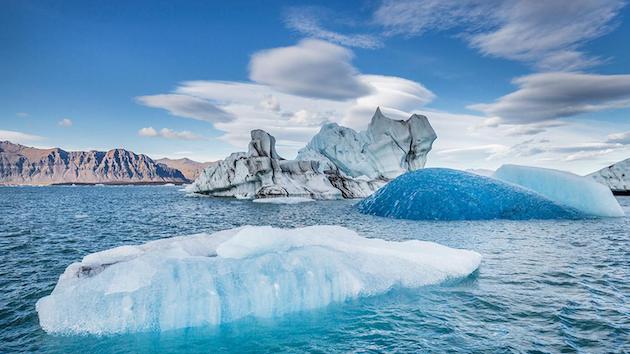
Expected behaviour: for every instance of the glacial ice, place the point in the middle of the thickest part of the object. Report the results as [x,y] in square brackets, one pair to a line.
[262,173]
[387,149]
[208,279]
[283,200]
[615,176]
[564,188]
[338,162]
[446,194]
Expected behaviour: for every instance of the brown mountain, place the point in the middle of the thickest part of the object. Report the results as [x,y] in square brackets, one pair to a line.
[191,169]
[27,165]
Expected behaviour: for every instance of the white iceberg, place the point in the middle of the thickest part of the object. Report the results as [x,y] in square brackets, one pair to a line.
[208,279]
[565,188]
[615,176]
[387,149]
[283,200]
[262,173]
[337,163]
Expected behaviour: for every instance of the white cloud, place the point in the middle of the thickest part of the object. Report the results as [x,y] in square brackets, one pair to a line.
[22,114]
[295,117]
[619,138]
[187,107]
[545,33]
[169,134]
[148,132]
[19,137]
[66,122]
[547,96]
[312,68]
[307,22]
[270,103]
[532,128]
[181,135]
[395,95]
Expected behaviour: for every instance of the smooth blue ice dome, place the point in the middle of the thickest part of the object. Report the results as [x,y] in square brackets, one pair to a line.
[446,194]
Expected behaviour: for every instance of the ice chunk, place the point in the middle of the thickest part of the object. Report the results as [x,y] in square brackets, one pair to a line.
[564,188]
[615,176]
[262,173]
[283,200]
[387,149]
[208,279]
[445,194]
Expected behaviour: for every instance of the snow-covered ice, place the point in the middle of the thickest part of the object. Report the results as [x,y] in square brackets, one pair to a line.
[208,279]
[283,200]
[445,194]
[564,188]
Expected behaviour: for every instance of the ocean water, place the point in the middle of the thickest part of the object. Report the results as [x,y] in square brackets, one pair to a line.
[546,286]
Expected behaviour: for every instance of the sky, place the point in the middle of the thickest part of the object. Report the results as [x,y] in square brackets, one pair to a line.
[542,83]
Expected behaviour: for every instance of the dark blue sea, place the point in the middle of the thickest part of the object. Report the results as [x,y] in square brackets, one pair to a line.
[543,286]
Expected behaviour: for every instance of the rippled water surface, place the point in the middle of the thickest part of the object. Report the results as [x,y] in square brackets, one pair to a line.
[543,285]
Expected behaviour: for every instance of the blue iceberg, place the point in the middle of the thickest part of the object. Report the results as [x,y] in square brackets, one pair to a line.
[446,194]
[564,188]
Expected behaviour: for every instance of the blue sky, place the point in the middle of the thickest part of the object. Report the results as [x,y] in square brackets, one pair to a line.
[501,81]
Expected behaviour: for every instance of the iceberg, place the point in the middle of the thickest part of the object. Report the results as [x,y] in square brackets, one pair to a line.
[564,188]
[209,279]
[446,194]
[262,173]
[338,162]
[387,149]
[615,176]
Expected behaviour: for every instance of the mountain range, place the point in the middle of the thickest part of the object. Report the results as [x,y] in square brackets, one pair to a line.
[23,165]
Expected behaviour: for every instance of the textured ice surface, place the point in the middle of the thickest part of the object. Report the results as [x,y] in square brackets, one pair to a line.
[283,200]
[615,176]
[262,173]
[564,188]
[445,194]
[387,149]
[208,279]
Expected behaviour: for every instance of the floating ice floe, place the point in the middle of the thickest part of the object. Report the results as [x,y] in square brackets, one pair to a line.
[208,279]
[446,194]
[283,200]
[564,188]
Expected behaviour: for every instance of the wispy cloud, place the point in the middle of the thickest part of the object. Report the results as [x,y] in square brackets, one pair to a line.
[66,122]
[547,34]
[168,134]
[307,21]
[548,96]
[19,137]
[187,107]
[299,88]
[619,138]
[22,114]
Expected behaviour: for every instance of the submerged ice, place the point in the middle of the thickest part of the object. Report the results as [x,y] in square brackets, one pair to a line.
[208,279]
[445,194]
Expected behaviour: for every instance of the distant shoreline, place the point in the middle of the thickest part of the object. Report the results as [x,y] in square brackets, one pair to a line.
[95,184]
